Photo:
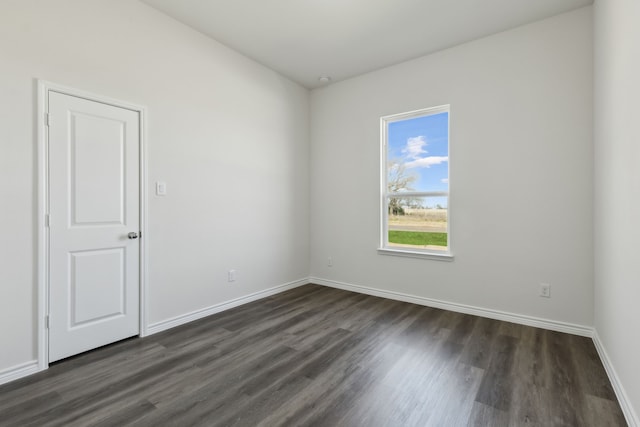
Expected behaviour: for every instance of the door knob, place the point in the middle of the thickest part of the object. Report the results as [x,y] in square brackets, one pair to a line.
[132,235]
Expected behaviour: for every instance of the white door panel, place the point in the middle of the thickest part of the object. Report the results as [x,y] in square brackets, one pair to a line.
[93,205]
[97,286]
[97,158]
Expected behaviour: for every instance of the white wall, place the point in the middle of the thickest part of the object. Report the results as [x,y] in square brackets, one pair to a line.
[521,172]
[617,188]
[229,137]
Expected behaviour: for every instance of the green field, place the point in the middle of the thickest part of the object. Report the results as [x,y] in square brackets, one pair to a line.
[417,238]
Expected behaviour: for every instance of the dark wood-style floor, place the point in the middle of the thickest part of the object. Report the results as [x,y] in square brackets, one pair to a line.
[325,357]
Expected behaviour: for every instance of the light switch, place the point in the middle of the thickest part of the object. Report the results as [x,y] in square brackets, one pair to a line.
[161,188]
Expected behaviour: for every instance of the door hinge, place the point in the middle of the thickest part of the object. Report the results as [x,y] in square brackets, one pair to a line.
[46,321]
[46,220]
[47,119]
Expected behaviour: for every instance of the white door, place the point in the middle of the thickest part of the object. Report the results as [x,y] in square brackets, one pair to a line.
[94,203]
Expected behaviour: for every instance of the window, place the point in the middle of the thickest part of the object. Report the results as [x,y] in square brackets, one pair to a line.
[415,184]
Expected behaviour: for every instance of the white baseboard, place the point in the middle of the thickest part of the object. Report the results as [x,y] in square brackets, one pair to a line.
[163,325]
[19,371]
[623,399]
[521,319]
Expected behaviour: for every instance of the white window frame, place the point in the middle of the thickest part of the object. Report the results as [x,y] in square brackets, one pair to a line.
[385,249]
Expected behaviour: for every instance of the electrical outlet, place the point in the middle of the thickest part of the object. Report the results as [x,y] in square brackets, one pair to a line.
[232,276]
[545,290]
[330,262]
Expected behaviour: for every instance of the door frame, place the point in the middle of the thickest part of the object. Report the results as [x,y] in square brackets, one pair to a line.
[43,89]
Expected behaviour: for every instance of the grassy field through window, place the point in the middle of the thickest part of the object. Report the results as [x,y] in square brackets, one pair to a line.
[421,228]
[417,238]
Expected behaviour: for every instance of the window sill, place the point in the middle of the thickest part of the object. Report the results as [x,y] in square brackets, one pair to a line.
[416,254]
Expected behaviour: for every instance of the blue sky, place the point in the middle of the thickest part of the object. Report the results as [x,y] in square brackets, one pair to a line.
[422,145]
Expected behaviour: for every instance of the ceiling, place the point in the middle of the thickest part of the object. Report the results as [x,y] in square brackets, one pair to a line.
[306,39]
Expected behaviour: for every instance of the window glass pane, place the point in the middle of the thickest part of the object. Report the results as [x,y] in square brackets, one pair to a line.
[418,154]
[418,222]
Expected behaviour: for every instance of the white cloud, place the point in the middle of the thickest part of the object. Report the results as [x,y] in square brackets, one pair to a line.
[415,147]
[444,180]
[414,151]
[425,162]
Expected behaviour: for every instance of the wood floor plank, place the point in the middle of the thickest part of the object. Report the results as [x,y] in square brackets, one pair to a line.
[263,380]
[317,356]
[257,408]
[531,405]
[567,401]
[461,328]
[216,393]
[497,384]
[603,412]
[453,403]
[593,378]
[128,414]
[382,404]
[84,402]
[478,352]
[532,374]
[19,411]
[487,416]
[425,327]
